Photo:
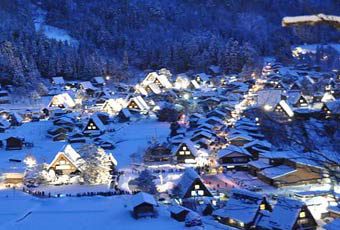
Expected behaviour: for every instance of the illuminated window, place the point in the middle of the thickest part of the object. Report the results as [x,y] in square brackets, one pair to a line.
[197,186]
[184,148]
[231,221]
[302,214]
[187,152]
[201,192]
[241,224]
[262,206]
[193,193]
[91,126]
[181,152]
[303,221]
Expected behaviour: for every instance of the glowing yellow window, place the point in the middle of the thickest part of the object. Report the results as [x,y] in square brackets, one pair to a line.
[197,186]
[241,224]
[262,206]
[184,148]
[91,126]
[187,152]
[181,152]
[231,221]
[302,214]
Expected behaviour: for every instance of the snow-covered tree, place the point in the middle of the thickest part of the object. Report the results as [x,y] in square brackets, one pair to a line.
[144,182]
[98,166]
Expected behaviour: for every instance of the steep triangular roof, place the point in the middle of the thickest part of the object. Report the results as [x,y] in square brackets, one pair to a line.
[62,99]
[140,102]
[186,181]
[69,153]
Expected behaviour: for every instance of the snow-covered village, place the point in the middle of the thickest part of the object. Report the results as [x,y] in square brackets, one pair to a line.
[107,131]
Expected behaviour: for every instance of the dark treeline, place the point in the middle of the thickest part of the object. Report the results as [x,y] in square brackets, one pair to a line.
[179,34]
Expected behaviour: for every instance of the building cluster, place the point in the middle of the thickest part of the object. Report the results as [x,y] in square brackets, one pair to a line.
[211,134]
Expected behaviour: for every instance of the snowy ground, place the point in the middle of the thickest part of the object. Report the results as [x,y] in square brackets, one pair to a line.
[133,138]
[22,212]
[44,149]
[26,212]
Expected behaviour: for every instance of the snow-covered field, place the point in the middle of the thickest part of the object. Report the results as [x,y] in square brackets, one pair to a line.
[133,138]
[19,211]
[52,32]
[44,149]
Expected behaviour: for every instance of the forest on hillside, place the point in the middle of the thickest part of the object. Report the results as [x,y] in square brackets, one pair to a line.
[117,36]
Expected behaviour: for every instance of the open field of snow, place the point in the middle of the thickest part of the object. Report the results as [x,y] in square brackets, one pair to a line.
[20,211]
[44,149]
[133,138]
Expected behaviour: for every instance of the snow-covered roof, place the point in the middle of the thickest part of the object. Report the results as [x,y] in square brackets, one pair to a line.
[99,80]
[189,144]
[17,117]
[204,134]
[140,103]
[186,180]
[58,80]
[232,149]
[260,164]
[269,97]
[284,214]
[163,79]
[87,85]
[240,135]
[203,76]
[153,76]
[286,108]
[70,153]
[195,84]
[140,89]
[141,198]
[113,105]
[241,206]
[277,171]
[293,97]
[97,122]
[261,143]
[62,99]
[176,209]
[154,88]
[327,97]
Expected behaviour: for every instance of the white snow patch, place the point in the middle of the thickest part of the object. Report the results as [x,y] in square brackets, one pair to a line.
[51,32]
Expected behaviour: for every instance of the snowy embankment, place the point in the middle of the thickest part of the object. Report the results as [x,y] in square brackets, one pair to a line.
[311,20]
[51,32]
[311,48]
